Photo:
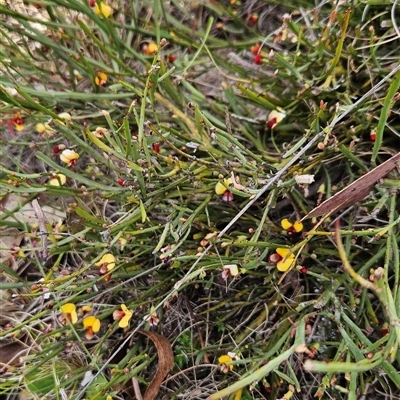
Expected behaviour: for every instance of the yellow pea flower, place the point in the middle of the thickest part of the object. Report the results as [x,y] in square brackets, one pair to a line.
[284,265]
[123,316]
[223,360]
[100,79]
[103,9]
[64,117]
[220,188]
[44,128]
[84,310]
[296,227]
[151,48]
[107,262]
[92,325]
[69,157]
[58,180]
[69,312]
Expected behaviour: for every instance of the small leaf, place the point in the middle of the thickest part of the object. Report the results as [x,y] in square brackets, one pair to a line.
[143,211]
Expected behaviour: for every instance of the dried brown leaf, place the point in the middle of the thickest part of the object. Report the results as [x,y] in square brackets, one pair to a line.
[356,191]
[11,353]
[165,363]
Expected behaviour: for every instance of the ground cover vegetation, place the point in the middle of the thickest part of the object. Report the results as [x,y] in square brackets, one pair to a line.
[161,165]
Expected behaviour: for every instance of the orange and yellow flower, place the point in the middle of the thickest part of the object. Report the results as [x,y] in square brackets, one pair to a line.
[18,122]
[84,310]
[92,325]
[69,313]
[151,48]
[295,227]
[286,261]
[123,316]
[221,189]
[106,263]
[100,79]
[223,360]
